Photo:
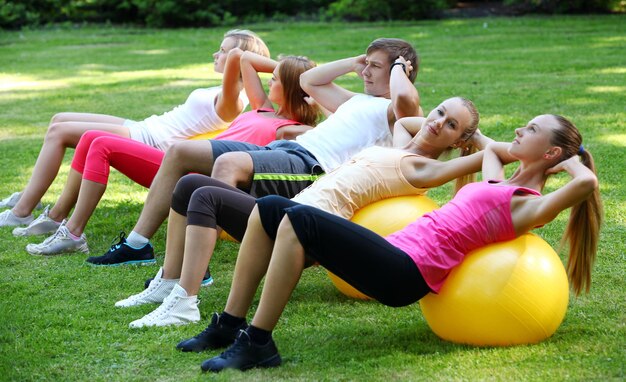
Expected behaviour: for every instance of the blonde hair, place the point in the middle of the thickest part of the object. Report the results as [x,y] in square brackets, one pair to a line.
[583,228]
[289,71]
[465,150]
[248,41]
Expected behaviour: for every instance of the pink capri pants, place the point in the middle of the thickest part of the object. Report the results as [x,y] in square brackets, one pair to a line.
[97,151]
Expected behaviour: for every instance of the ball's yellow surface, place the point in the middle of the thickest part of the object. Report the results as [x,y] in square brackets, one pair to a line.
[209,135]
[508,293]
[385,217]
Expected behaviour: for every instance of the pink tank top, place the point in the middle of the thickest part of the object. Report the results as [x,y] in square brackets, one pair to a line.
[478,215]
[253,127]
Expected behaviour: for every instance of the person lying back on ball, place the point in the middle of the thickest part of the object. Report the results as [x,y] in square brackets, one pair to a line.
[282,235]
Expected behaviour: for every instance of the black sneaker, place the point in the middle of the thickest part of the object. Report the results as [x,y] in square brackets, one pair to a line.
[206,280]
[122,253]
[244,355]
[215,336]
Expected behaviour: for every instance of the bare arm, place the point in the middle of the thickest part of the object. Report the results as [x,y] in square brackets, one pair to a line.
[496,156]
[251,65]
[318,82]
[405,129]
[291,132]
[528,212]
[311,101]
[405,100]
[480,140]
[228,106]
[430,173]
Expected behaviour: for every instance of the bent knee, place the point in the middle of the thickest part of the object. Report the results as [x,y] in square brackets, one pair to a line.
[234,168]
[59,117]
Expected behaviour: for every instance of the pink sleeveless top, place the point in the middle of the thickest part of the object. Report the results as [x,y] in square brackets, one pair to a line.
[253,127]
[478,215]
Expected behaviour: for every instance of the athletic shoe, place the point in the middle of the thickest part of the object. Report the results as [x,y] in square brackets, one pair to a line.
[60,242]
[7,219]
[244,355]
[122,253]
[207,280]
[40,226]
[156,292]
[215,336]
[11,201]
[177,309]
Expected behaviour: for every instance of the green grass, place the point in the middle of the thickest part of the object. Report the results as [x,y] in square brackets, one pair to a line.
[57,316]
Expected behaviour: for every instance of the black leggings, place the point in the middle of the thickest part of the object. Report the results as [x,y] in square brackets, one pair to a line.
[359,256]
[210,203]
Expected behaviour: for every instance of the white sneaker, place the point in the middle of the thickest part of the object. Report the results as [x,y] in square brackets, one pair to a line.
[177,309]
[11,201]
[40,226]
[7,219]
[156,292]
[60,242]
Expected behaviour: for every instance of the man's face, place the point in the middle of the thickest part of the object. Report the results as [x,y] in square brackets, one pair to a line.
[376,74]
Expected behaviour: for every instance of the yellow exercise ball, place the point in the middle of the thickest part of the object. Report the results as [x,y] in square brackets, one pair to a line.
[225,236]
[209,135]
[508,293]
[384,217]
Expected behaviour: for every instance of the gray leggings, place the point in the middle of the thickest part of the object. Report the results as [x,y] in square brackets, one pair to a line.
[210,203]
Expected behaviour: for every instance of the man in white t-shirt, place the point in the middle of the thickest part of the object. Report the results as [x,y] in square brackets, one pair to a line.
[388,69]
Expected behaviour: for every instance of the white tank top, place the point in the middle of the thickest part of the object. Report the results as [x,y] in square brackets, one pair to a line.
[358,123]
[371,175]
[196,116]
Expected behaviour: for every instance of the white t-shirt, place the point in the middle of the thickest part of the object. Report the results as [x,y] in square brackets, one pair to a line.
[358,123]
[196,116]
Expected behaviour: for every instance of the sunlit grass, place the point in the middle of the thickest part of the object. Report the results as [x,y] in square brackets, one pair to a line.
[58,318]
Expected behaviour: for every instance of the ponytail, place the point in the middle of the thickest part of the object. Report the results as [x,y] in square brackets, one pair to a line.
[467,148]
[582,233]
[467,178]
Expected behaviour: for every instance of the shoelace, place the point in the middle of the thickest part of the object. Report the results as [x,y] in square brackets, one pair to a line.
[206,330]
[4,216]
[122,239]
[238,344]
[143,293]
[41,218]
[59,232]
[161,311]
[9,198]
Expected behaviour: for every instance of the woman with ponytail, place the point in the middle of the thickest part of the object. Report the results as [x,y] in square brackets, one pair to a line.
[282,236]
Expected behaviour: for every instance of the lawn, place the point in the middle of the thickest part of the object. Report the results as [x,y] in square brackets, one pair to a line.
[57,314]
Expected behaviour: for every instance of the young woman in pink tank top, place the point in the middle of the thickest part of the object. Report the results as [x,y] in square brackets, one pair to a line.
[288,234]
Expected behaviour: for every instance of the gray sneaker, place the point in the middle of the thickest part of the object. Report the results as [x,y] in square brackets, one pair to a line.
[11,201]
[60,242]
[7,219]
[40,226]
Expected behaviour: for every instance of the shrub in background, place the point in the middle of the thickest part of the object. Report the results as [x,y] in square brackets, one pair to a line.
[372,10]
[568,6]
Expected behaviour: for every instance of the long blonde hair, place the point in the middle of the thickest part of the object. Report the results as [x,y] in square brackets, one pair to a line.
[583,228]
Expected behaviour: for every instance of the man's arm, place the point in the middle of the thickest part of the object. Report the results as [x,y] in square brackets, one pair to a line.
[318,82]
[405,100]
